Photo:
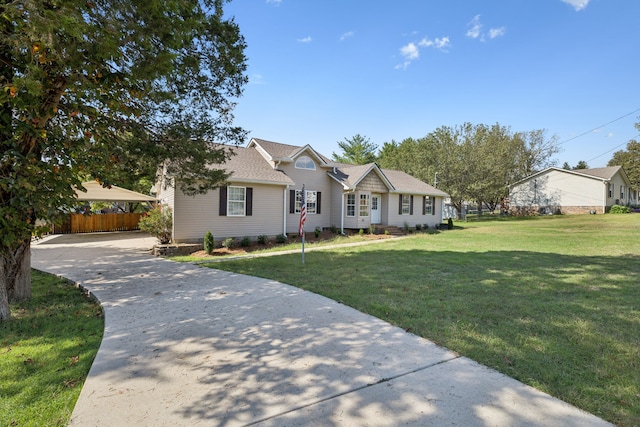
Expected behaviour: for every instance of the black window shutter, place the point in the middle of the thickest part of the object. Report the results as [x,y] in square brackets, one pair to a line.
[292,201]
[223,201]
[249,202]
[318,199]
[411,205]
[424,205]
[400,204]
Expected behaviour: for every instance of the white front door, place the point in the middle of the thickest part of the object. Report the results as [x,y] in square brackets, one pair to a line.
[375,208]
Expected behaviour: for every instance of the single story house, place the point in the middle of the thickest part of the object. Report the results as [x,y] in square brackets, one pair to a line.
[262,196]
[554,190]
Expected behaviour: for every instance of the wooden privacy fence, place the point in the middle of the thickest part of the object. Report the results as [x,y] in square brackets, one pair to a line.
[80,223]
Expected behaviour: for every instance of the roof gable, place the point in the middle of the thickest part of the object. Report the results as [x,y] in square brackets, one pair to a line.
[276,152]
[351,175]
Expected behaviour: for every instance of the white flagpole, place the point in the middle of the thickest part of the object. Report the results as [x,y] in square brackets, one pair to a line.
[303,218]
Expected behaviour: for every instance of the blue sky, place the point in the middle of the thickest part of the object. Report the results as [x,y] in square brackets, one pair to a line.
[321,71]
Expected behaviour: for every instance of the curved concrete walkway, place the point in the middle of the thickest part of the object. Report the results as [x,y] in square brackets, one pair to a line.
[185,345]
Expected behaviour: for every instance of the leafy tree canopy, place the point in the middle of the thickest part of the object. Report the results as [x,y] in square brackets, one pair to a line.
[472,162]
[629,159]
[106,86]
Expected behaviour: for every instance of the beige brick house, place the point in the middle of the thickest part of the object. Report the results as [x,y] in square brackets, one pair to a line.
[263,193]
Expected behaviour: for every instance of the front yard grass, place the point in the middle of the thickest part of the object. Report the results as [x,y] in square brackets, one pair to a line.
[553,302]
[46,351]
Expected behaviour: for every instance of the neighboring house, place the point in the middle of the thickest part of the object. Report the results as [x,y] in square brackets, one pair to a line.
[556,190]
[263,194]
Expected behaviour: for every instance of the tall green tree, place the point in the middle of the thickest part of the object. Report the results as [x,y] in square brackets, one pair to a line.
[357,150]
[472,162]
[629,159]
[537,151]
[581,165]
[96,87]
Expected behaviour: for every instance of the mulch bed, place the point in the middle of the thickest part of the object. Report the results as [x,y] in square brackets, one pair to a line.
[255,246]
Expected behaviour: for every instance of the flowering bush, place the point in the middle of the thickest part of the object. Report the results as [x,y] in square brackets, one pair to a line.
[158,222]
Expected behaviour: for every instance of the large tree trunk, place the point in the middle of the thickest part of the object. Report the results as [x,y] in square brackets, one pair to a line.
[5,312]
[15,276]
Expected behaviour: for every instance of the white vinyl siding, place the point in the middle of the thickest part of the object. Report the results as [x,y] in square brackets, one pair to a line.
[394,215]
[194,216]
[556,188]
[314,180]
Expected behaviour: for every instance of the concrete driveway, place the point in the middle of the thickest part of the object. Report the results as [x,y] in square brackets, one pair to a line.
[185,345]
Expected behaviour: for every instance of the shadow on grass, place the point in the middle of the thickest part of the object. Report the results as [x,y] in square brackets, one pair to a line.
[568,325]
[46,351]
[185,344]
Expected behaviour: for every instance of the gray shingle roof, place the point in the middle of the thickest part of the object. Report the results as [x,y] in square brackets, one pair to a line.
[405,183]
[248,165]
[277,150]
[606,173]
[398,181]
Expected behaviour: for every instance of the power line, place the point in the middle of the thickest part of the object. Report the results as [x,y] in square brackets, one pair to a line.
[618,146]
[596,128]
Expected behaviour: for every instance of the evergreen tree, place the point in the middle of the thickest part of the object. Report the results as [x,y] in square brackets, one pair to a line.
[357,150]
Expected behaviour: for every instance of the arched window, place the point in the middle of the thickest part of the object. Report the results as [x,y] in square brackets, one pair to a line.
[305,162]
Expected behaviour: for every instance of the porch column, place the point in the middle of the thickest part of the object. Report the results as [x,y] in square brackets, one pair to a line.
[284,210]
[342,213]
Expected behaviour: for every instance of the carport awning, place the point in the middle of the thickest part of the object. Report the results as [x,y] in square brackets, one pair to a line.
[96,192]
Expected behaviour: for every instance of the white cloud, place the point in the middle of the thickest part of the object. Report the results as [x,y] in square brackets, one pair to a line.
[578,5]
[475,30]
[475,27]
[347,35]
[307,39]
[610,135]
[438,43]
[496,32]
[276,2]
[411,51]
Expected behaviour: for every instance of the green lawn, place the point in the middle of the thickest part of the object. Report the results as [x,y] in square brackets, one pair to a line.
[552,301]
[46,351]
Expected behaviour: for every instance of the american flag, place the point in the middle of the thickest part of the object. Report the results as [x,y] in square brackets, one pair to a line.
[303,212]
